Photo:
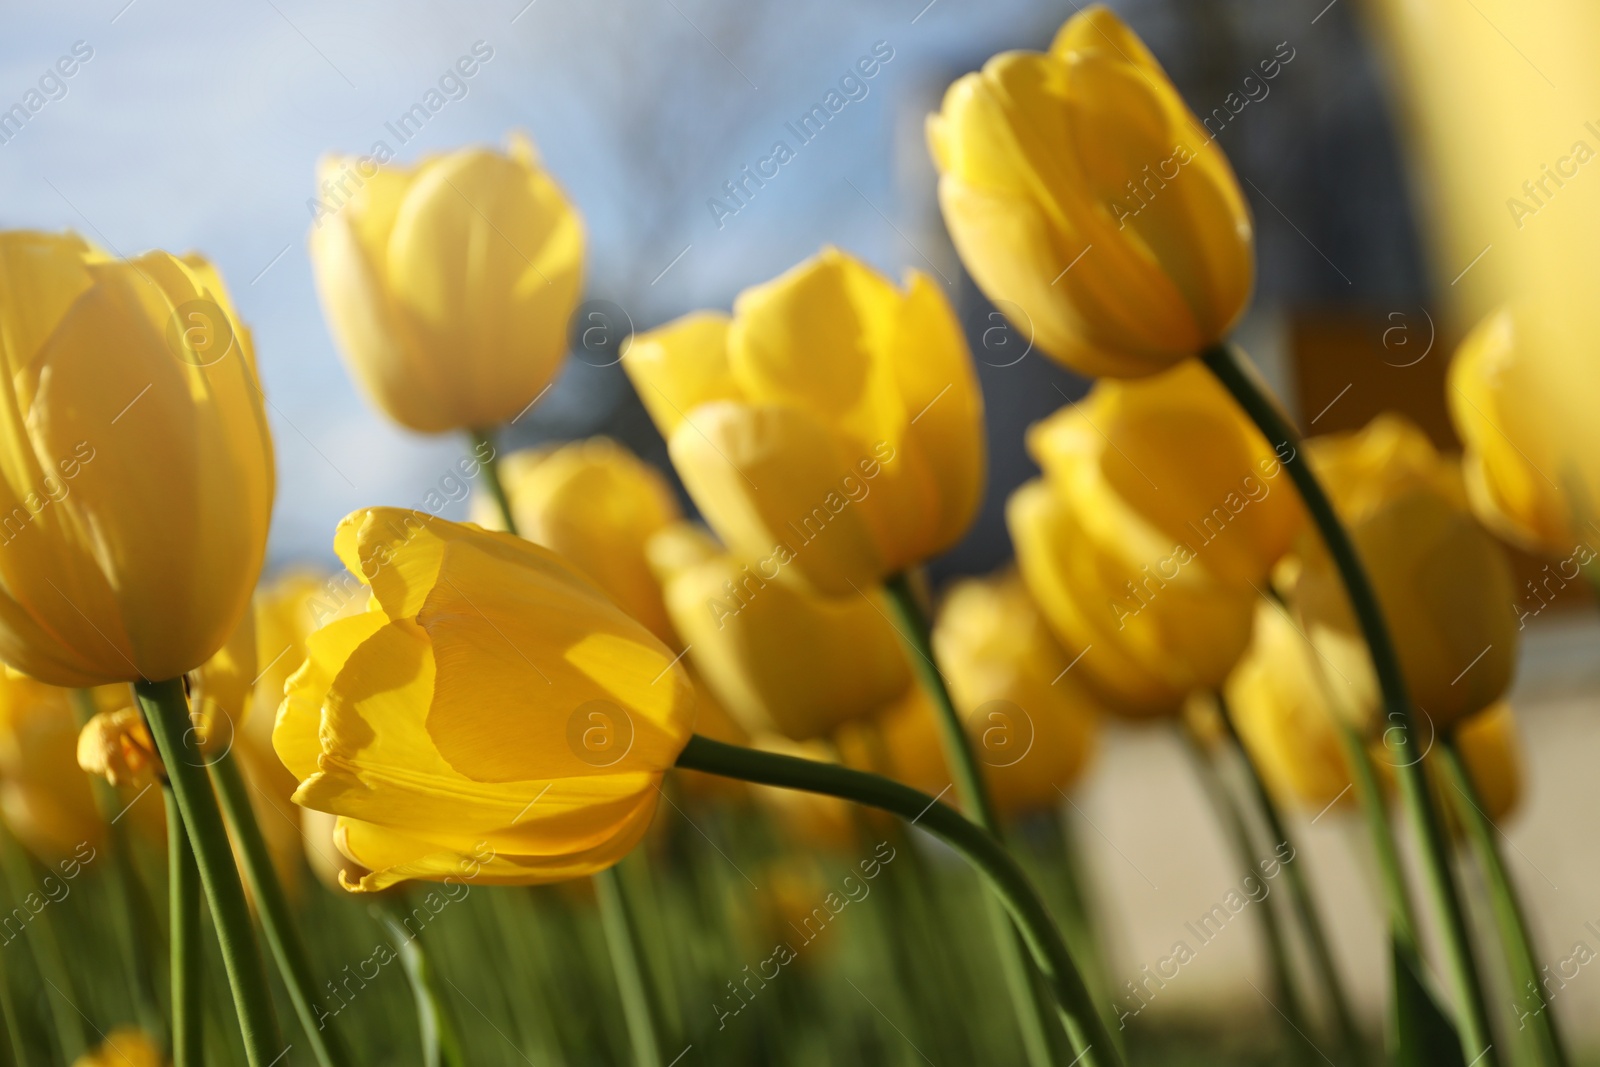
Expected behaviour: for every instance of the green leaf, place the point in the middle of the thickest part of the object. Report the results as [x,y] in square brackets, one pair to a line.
[1424,1035]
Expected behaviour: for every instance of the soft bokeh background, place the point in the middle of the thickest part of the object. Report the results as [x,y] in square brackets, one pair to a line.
[198,125]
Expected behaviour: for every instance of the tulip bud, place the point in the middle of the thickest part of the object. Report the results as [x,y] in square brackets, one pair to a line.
[777,658]
[832,429]
[1518,397]
[1492,753]
[596,505]
[138,475]
[1087,152]
[1442,581]
[449,285]
[491,717]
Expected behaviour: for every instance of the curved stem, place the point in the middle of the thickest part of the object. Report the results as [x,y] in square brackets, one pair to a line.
[1401,733]
[974,793]
[622,936]
[166,710]
[1238,831]
[283,937]
[1305,905]
[627,961]
[183,906]
[974,844]
[1508,914]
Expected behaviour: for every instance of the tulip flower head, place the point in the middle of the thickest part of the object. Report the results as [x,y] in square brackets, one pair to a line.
[138,473]
[831,430]
[126,1046]
[1519,391]
[449,284]
[491,716]
[1087,152]
[1442,581]
[780,660]
[596,505]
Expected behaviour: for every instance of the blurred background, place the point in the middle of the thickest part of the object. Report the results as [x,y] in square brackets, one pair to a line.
[198,125]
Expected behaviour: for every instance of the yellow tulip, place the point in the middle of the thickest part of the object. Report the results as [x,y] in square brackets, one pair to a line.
[595,504]
[221,687]
[1442,581]
[137,468]
[44,797]
[1087,151]
[491,716]
[1033,726]
[831,431]
[116,745]
[126,1046]
[449,284]
[1492,752]
[1279,699]
[777,658]
[1517,395]
[1174,461]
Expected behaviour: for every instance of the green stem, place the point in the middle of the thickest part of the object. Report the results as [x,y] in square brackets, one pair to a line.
[283,936]
[1402,916]
[1508,914]
[183,902]
[622,936]
[1233,823]
[1305,905]
[166,710]
[974,844]
[69,1025]
[974,794]
[1401,733]
[627,961]
[483,444]
[132,914]
[441,1045]
[14,1052]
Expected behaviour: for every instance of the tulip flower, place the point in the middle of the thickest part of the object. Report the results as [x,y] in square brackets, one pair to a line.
[449,285]
[1174,461]
[1086,152]
[831,430]
[116,745]
[1157,511]
[777,658]
[1278,696]
[126,1046]
[1032,724]
[138,473]
[596,505]
[1442,581]
[44,797]
[1492,752]
[491,716]
[1532,463]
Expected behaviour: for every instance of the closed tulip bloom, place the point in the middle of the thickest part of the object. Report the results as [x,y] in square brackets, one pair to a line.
[116,745]
[44,798]
[1442,581]
[1174,461]
[449,284]
[1279,699]
[831,429]
[138,474]
[1033,726]
[1492,751]
[1087,151]
[777,658]
[492,711]
[596,505]
[1133,592]
[1517,396]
